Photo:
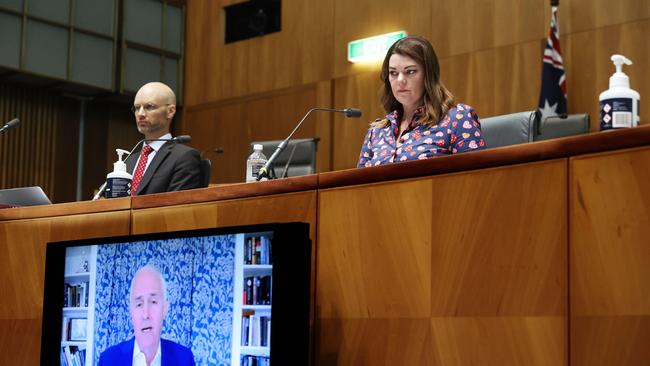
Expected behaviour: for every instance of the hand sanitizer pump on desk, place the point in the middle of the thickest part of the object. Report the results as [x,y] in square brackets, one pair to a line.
[619,105]
[118,182]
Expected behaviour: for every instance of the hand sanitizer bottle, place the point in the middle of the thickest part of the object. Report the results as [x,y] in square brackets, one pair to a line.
[619,105]
[118,182]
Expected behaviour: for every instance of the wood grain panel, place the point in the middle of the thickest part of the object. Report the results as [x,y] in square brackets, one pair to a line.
[610,340]
[20,341]
[234,124]
[582,15]
[443,341]
[27,153]
[374,261]
[474,26]
[488,245]
[359,91]
[301,53]
[610,291]
[294,207]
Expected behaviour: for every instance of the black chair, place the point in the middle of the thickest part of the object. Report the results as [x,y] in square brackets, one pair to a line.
[298,158]
[206,172]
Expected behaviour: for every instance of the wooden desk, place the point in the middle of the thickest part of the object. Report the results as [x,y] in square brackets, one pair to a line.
[536,254]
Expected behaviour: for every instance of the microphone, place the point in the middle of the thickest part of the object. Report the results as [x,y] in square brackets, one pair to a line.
[216,150]
[182,139]
[11,124]
[264,171]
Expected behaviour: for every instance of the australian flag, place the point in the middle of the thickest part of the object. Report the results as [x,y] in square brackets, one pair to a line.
[552,97]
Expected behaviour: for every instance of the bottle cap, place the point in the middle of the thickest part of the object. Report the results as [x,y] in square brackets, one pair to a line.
[258,147]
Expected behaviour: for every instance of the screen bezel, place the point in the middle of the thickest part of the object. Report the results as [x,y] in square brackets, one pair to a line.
[291,282]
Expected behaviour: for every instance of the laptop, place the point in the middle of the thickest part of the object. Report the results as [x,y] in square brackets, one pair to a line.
[24,196]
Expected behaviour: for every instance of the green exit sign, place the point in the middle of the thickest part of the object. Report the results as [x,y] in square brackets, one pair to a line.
[372,48]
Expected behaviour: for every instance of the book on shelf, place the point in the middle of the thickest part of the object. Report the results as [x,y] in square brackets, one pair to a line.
[73,356]
[75,295]
[257,290]
[257,250]
[255,329]
[255,361]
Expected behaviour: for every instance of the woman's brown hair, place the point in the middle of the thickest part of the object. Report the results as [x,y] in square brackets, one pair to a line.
[437,98]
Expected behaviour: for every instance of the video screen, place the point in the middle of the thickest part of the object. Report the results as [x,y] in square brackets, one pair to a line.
[233,296]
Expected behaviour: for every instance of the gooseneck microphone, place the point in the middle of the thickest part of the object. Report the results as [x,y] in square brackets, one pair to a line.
[349,112]
[11,124]
[182,139]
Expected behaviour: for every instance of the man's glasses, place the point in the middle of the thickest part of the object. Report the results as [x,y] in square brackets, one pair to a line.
[149,107]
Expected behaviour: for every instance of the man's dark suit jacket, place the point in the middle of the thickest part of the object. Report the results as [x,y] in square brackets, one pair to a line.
[175,167]
[172,354]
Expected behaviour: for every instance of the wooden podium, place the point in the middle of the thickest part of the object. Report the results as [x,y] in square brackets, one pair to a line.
[535,254]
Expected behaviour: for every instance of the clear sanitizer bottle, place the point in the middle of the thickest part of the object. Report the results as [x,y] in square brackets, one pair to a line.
[254,163]
[118,182]
[619,105]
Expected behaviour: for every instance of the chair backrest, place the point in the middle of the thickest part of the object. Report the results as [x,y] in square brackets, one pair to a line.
[509,129]
[556,126]
[300,152]
[206,172]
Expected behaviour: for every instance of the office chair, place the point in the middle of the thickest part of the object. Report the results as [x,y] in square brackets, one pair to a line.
[206,172]
[509,129]
[563,125]
[298,158]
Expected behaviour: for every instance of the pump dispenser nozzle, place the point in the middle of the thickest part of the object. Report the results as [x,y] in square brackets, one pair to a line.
[119,165]
[619,79]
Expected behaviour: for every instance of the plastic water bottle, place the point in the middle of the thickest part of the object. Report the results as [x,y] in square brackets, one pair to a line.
[254,163]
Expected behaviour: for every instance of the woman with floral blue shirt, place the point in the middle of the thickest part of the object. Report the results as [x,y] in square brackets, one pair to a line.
[423,121]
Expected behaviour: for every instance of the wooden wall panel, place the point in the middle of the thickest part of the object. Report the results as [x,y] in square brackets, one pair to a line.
[22,269]
[610,252]
[300,54]
[27,153]
[359,91]
[234,124]
[474,266]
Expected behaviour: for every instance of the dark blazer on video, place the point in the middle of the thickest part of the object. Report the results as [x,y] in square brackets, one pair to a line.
[175,167]
[172,354]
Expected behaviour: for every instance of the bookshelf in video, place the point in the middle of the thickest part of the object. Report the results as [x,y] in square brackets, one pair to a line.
[253,297]
[78,298]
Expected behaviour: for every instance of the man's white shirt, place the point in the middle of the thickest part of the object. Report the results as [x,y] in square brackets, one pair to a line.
[155,145]
[139,359]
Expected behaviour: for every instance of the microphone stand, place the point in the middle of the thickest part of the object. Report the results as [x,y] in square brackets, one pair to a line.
[264,171]
[183,139]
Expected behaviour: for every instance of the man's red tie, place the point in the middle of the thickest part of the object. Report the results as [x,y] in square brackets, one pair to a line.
[139,170]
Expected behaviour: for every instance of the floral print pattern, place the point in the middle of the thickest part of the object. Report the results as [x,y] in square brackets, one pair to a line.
[458,131]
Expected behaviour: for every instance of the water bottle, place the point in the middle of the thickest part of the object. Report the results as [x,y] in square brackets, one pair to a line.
[254,163]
